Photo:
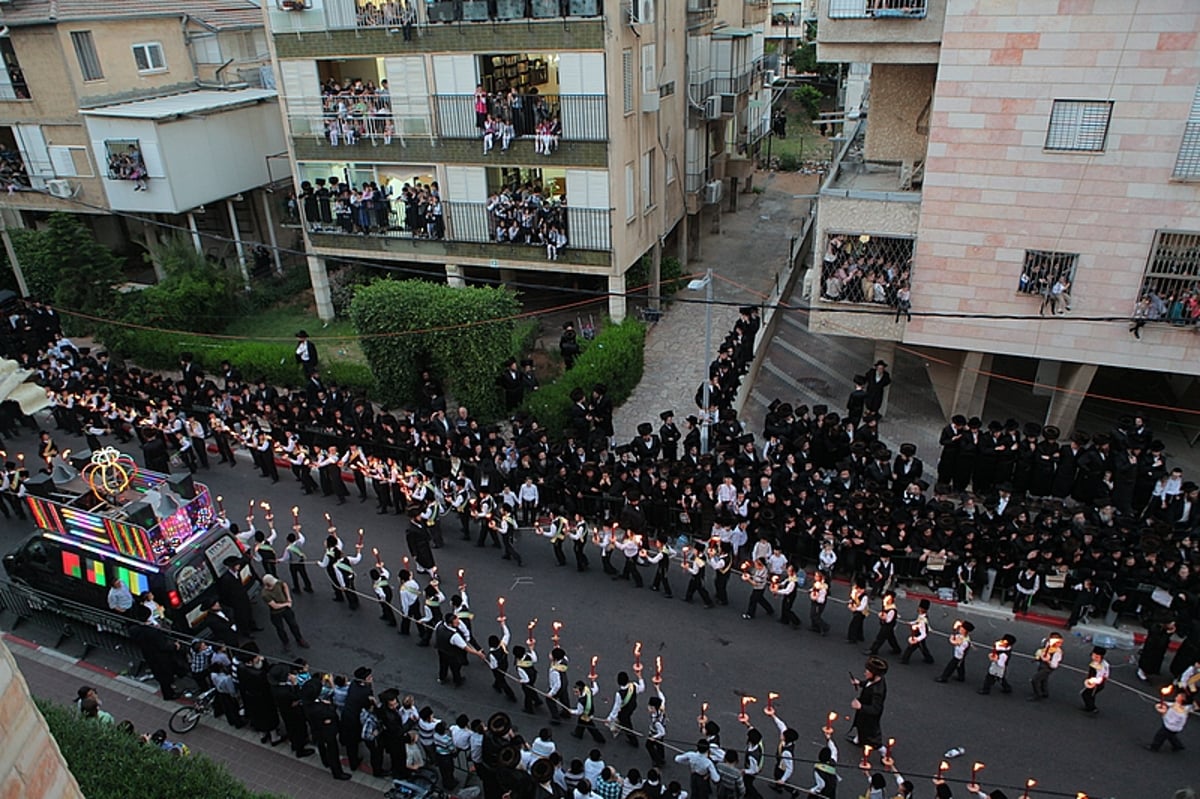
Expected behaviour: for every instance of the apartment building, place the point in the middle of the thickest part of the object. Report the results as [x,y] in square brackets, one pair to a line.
[135,114]
[1029,172]
[485,130]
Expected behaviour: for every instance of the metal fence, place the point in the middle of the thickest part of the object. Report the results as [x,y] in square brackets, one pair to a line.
[877,9]
[71,621]
[390,13]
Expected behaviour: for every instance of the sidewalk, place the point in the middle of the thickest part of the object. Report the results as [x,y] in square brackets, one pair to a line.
[746,258]
[56,677]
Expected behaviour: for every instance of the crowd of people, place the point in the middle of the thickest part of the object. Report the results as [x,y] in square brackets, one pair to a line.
[1091,523]
[868,270]
[524,214]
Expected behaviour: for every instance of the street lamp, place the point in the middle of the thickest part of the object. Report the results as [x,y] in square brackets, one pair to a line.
[697,284]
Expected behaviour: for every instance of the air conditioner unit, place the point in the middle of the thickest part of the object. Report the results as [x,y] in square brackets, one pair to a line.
[713,191]
[649,102]
[60,188]
[692,5]
[769,77]
[728,104]
[712,107]
[640,12]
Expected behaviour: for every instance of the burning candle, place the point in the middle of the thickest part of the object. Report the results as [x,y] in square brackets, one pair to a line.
[375,552]
[592,672]
[888,759]
[866,757]
[360,538]
[295,515]
[658,669]
[746,700]
[529,632]
[829,720]
[975,769]
[558,625]
[1029,783]
[704,711]
[1166,691]
[637,655]
[221,504]
[462,579]
[328,520]
[500,605]
[943,767]
[251,511]
[771,697]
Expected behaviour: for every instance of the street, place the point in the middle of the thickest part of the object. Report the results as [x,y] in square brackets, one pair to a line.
[717,657]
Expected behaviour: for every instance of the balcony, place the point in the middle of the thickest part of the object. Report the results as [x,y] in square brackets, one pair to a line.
[578,117]
[877,9]
[881,31]
[12,77]
[470,230]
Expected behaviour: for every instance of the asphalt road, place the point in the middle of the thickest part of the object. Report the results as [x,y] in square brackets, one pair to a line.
[717,657]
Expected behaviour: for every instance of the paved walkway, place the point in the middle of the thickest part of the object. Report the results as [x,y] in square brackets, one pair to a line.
[56,677]
[747,258]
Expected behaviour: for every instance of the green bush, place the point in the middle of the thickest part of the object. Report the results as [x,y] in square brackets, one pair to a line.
[671,273]
[112,764]
[195,294]
[525,333]
[463,335]
[274,360]
[343,283]
[616,357]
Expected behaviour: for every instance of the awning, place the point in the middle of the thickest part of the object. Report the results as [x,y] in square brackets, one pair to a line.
[733,33]
[197,103]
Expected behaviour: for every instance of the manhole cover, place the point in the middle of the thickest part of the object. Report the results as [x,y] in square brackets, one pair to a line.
[814,384]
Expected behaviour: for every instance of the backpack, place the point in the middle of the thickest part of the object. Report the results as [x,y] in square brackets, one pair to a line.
[370,725]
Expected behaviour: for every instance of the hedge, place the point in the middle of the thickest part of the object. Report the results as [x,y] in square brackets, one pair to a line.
[112,764]
[462,335]
[616,358]
[274,360]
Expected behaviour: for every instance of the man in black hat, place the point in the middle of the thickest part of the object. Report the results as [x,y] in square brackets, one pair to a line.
[857,400]
[868,706]
[918,632]
[358,698]
[645,446]
[529,378]
[234,595]
[511,384]
[877,380]
[907,468]
[669,436]
[948,440]
[306,354]
[568,346]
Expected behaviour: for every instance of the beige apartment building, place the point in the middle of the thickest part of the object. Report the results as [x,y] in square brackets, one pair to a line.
[136,115]
[1029,170]
[653,107]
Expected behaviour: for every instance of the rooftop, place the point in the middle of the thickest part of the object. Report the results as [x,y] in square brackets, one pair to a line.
[216,14]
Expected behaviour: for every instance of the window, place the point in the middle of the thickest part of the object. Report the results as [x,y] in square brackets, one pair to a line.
[649,69]
[70,161]
[627,79]
[670,171]
[1042,269]
[1174,266]
[85,51]
[630,196]
[1187,165]
[648,180]
[862,267]
[1079,126]
[149,57]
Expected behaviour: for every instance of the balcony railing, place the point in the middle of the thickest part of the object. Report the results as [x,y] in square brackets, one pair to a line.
[390,13]
[580,117]
[877,9]
[473,223]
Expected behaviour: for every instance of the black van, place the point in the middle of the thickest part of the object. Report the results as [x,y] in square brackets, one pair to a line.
[185,585]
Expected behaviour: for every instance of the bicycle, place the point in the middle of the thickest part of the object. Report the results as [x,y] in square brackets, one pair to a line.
[186,718]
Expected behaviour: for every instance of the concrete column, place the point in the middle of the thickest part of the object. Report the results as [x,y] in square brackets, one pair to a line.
[885,351]
[655,298]
[454,277]
[319,278]
[151,233]
[961,383]
[616,297]
[237,242]
[13,263]
[696,233]
[266,201]
[733,195]
[1075,380]
[683,245]
[191,217]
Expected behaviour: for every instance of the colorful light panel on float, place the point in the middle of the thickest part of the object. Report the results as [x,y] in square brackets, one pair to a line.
[102,533]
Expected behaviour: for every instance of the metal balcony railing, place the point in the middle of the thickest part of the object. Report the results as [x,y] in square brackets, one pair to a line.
[878,9]
[579,117]
[391,14]
[471,223]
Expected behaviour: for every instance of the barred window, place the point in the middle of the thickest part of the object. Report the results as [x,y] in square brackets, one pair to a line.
[1187,165]
[627,79]
[1079,125]
[1043,268]
[861,267]
[1173,269]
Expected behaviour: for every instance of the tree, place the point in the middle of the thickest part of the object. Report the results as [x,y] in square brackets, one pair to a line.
[462,335]
[65,265]
[809,98]
[804,61]
[195,295]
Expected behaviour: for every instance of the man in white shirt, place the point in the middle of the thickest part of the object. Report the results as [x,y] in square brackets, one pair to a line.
[703,774]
